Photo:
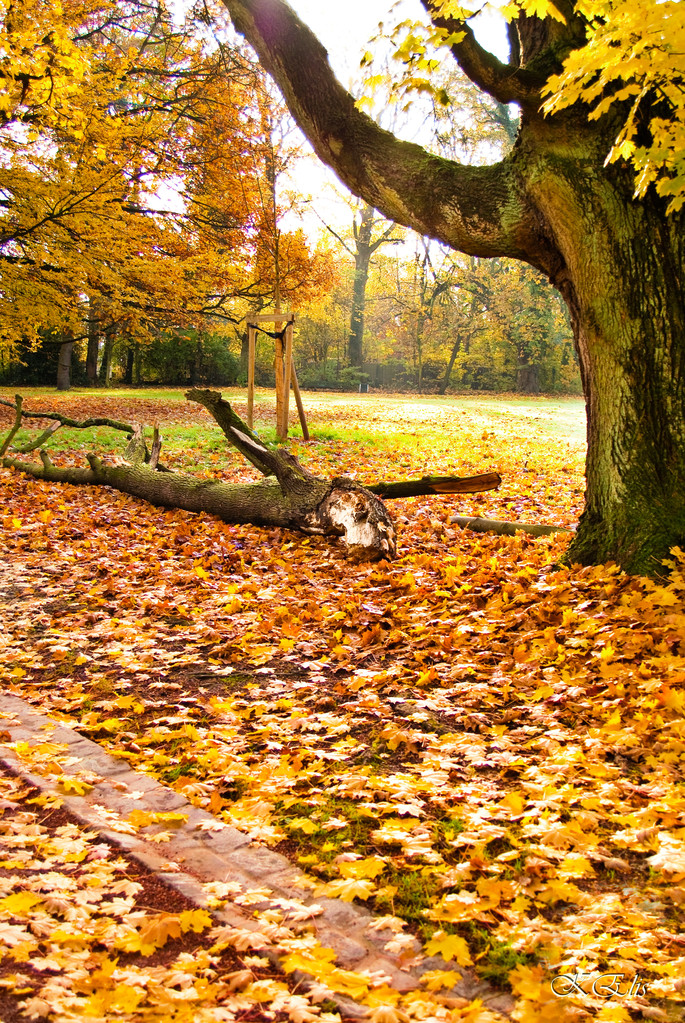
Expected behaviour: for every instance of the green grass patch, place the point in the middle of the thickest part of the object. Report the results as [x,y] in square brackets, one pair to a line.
[411,890]
[405,889]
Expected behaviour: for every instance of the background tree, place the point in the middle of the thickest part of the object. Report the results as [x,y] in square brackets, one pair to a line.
[365,246]
[417,291]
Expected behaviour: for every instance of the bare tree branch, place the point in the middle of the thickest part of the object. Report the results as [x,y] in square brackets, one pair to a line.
[15,427]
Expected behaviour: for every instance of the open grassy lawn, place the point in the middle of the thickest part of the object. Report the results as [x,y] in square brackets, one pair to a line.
[483,745]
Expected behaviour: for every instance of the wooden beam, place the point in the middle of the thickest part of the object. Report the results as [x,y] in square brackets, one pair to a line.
[271,318]
[281,427]
[298,401]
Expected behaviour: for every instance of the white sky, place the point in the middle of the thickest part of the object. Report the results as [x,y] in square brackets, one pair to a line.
[345,27]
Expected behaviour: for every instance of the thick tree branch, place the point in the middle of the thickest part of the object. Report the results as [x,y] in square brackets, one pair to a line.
[76,424]
[506,83]
[478,210]
[15,427]
[292,476]
[438,485]
[38,441]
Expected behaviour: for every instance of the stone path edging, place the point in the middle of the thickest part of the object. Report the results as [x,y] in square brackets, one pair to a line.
[193,855]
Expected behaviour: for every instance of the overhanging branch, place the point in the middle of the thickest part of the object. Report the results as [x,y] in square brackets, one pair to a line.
[478,210]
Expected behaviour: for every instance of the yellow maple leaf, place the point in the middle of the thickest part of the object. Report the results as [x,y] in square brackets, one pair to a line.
[436,979]
[47,799]
[196,920]
[527,981]
[347,982]
[513,801]
[156,931]
[18,903]
[303,824]
[347,889]
[449,946]
[161,836]
[73,784]
[556,890]
[141,818]
[369,867]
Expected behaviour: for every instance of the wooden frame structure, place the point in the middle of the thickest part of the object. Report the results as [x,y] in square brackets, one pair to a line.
[284,367]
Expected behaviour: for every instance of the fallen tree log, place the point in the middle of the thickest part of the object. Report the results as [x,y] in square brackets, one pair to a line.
[289,495]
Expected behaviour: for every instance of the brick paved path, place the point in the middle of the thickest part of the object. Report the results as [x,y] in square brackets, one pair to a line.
[203,849]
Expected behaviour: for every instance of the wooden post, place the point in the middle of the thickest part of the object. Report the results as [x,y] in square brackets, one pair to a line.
[298,401]
[251,333]
[281,427]
[288,362]
[283,365]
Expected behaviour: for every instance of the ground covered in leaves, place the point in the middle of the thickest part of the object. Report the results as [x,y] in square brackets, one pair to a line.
[89,934]
[484,747]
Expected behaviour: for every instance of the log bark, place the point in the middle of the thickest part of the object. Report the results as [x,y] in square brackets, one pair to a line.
[288,495]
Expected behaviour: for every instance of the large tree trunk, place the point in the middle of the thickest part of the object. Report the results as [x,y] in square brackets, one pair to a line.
[130,364]
[623,277]
[528,377]
[552,202]
[106,363]
[289,495]
[355,341]
[365,247]
[450,366]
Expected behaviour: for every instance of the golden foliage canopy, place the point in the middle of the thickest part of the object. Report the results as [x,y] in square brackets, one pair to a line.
[629,63]
[131,159]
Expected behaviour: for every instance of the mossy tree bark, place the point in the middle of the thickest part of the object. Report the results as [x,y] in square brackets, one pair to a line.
[619,263]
